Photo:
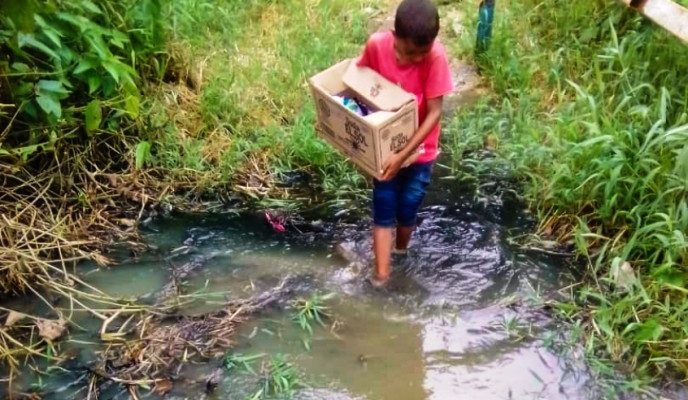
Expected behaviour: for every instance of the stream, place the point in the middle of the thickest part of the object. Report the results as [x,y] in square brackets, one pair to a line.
[456,322]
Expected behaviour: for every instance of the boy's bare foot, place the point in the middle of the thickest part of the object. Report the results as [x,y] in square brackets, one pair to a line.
[399,252]
[378,282]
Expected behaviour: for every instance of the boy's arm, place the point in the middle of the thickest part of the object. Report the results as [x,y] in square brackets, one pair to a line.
[395,161]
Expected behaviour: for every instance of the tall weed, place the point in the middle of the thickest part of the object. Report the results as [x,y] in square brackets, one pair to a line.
[590,107]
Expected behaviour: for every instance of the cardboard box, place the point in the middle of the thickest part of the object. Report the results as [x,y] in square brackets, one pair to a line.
[369,140]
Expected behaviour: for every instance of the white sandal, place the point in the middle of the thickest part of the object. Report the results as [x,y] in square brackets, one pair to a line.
[377,284]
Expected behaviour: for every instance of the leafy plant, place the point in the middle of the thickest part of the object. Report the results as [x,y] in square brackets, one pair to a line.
[240,362]
[72,64]
[514,328]
[280,379]
[142,153]
[310,310]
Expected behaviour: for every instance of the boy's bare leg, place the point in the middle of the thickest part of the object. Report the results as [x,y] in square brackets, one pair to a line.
[404,237]
[382,248]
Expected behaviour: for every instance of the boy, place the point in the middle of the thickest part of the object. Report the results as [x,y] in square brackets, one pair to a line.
[411,57]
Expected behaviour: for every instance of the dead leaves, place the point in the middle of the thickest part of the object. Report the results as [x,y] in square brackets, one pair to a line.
[163,386]
[127,222]
[51,329]
[13,317]
[623,275]
[48,329]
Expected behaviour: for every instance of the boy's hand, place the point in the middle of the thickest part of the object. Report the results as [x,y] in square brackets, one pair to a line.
[392,166]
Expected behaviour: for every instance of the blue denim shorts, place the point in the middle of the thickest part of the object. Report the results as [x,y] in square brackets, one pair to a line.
[396,202]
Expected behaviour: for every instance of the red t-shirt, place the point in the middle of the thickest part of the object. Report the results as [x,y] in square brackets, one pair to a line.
[427,79]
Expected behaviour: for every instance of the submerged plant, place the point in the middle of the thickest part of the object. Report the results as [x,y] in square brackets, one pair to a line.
[280,379]
[240,362]
[514,328]
[310,310]
[277,377]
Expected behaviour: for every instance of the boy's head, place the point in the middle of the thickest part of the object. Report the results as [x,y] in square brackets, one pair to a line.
[415,28]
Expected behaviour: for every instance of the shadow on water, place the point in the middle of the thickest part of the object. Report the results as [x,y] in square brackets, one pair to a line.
[454,324]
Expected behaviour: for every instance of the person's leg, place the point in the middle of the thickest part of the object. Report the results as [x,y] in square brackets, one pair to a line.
[384,219]
[411,195]
[382,247]
[403,238]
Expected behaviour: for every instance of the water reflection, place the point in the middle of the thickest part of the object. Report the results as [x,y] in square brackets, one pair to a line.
[471,357]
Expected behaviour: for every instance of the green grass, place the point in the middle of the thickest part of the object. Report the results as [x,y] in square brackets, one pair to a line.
[241,363]
[253,115]
[280,380]
[311,310]
[276,378]
[589,105]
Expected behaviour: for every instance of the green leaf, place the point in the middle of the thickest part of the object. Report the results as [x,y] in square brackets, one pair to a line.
[108,85]
[118,39]
[604,326]
[51,33]
[672,278]
[97,44]
[681,168]
[93,116]
[20,67]
[50,144]
[132,105]
[24,89]
[90,6]
[588,34]
[142,153]
[94,83]
[26,151]
[649,330]
[78,21]
[53,88]
[132,98]
[67,56]
[29,40]
[49,104]
[113,69]
[85,64]
[31,110]
[595,140]
[121,72]
[52,139]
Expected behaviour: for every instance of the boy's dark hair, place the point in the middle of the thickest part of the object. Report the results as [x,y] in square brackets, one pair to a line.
[418,21]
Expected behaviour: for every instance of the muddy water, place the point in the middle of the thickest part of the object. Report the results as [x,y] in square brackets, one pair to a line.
[455,323]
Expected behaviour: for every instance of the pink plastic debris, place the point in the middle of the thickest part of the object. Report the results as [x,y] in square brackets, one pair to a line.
[276,222]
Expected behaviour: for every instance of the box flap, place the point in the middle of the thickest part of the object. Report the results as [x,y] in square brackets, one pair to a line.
[375,89]
[330,80]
